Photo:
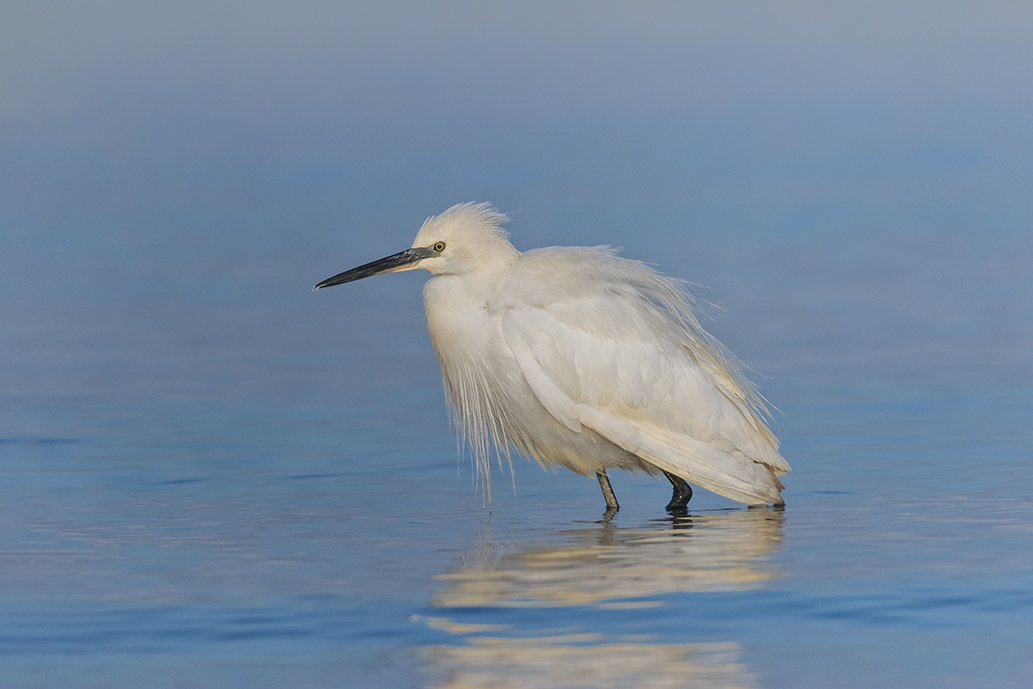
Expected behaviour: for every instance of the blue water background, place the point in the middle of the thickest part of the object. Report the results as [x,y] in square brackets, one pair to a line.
[211,476]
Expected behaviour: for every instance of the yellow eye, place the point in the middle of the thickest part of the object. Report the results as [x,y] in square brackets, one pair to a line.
[439,247]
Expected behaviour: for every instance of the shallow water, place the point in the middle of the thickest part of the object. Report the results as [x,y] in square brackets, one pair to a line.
[246,544]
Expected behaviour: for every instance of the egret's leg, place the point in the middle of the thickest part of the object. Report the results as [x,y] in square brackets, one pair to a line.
[604,483]
[682,492]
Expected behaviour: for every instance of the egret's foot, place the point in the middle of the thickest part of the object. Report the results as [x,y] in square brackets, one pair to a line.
[611,499]
[682,492]
[680,517]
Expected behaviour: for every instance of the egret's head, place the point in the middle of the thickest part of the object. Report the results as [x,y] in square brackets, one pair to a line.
[463,239]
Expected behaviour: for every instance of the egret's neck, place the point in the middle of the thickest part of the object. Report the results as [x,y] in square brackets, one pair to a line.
[476,279]
[457,305]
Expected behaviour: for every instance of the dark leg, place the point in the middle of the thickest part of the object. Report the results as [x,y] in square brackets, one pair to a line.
[611,499]
[682,492]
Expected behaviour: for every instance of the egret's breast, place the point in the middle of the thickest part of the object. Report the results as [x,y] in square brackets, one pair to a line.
[459,323]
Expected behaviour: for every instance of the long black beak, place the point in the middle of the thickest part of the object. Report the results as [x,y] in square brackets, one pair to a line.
[400,261]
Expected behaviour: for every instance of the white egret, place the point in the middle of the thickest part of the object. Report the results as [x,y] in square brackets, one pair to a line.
[582,359]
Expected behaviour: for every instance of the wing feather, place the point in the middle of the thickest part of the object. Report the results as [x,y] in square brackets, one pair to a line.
[611,364]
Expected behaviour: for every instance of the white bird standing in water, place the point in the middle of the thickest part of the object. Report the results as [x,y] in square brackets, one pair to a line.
[586,360]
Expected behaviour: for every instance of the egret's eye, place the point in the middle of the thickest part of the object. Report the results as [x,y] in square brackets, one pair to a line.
[439,247]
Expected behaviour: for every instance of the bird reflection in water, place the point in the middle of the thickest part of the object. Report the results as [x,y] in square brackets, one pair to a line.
[604,567]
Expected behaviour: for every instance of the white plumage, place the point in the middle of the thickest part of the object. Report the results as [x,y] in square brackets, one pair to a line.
[583,359]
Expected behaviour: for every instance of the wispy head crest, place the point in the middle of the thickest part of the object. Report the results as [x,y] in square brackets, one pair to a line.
[472,218]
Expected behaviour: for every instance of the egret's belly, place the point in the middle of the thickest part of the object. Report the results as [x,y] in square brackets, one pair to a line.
[491,397]
[537,433]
